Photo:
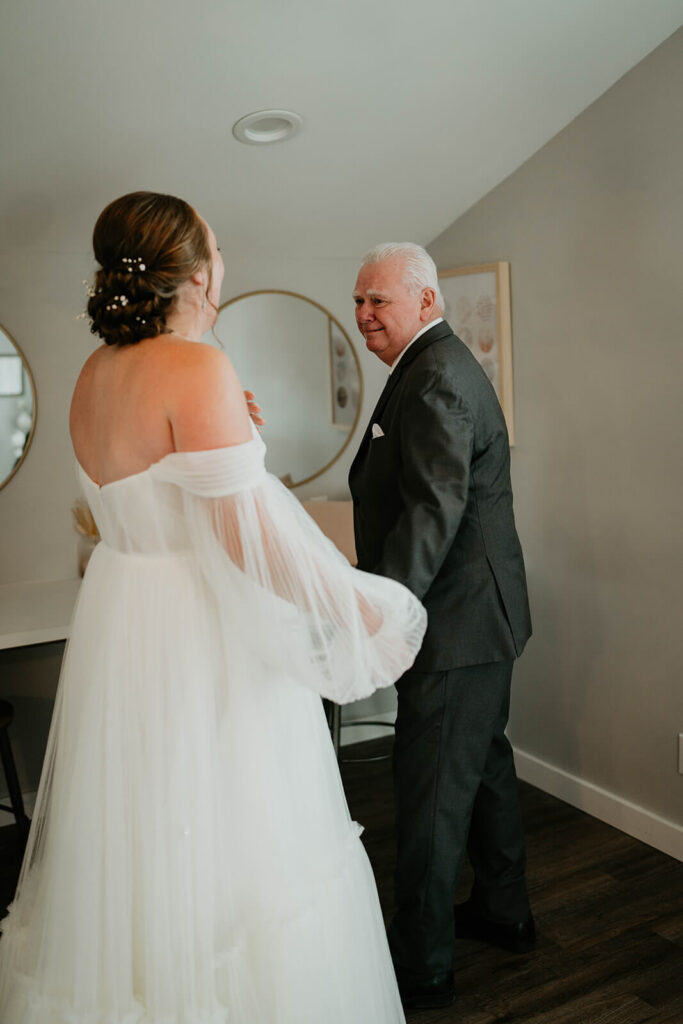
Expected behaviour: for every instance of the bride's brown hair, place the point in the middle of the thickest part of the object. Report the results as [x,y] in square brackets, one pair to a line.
[147,245]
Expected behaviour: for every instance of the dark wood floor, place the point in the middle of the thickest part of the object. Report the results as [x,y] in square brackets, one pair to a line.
[608,909]
[609,912]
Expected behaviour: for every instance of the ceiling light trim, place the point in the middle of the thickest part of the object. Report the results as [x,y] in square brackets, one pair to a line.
[264,127]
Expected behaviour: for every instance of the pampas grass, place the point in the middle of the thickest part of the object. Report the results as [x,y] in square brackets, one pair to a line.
[84,521]
[89,535]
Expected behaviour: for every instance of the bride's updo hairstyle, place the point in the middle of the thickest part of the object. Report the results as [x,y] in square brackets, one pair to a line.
[147,246]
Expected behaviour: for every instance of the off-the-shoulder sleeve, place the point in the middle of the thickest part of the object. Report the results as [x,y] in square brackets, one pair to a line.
[283,590]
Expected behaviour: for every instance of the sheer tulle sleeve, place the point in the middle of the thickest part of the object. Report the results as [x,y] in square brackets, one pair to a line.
[282,587]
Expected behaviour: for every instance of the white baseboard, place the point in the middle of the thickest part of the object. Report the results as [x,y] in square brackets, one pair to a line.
[614,810]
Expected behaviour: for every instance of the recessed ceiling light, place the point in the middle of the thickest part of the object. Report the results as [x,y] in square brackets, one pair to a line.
[266,126]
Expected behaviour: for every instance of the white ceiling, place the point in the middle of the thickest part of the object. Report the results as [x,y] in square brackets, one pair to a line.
[412,111]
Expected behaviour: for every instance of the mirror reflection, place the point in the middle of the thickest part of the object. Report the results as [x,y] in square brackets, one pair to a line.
[17,407]
[301,365]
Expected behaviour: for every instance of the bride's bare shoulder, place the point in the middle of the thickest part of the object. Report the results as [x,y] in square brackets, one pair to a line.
[191,365]
[191,386]
[91,363]
[187,354]
[205,402]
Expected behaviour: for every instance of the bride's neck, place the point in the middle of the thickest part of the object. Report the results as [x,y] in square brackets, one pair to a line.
[188,319]
[185,327]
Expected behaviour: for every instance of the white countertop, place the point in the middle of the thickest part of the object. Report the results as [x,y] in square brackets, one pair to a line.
[36,613]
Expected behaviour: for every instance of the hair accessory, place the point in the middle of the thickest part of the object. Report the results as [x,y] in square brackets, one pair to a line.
[133,263]
[117,298]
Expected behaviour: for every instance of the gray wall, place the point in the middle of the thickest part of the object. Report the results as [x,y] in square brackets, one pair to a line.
[593,227]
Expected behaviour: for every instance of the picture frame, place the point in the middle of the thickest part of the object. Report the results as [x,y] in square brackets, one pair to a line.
[344,379]
[478,309]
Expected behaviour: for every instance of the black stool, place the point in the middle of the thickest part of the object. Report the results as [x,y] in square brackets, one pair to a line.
[334,720]
[9,768]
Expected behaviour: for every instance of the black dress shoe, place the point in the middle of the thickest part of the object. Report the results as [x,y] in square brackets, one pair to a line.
[438,990]
[516,936]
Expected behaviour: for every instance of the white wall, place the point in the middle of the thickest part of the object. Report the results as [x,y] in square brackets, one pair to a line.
[592,225]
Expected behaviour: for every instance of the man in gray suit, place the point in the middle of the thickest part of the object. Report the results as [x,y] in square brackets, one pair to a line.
[433,509]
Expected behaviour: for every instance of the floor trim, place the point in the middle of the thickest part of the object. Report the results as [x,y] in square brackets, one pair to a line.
[614,810]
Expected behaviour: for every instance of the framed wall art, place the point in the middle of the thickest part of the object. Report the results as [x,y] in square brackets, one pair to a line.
[478,309]
[344,379]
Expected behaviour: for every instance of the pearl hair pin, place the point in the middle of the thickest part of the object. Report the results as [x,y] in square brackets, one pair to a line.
[133,263]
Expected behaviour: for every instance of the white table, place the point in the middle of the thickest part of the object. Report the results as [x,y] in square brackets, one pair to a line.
[36,613]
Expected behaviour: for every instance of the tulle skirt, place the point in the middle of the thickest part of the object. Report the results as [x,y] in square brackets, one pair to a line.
[191,858]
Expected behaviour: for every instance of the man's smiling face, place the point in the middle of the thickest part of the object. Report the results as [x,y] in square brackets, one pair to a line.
[388,315]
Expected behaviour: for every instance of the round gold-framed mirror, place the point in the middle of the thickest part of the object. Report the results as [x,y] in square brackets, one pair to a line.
[305,372]
[18,407]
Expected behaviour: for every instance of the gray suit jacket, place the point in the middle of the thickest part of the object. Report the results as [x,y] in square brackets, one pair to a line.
[433,504]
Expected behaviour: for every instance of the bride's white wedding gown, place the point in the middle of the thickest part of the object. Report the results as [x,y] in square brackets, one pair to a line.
[191,858]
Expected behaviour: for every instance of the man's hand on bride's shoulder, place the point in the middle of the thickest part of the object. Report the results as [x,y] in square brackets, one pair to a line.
[254,408]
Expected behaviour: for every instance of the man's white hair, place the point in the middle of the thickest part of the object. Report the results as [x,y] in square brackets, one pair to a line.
[419,269]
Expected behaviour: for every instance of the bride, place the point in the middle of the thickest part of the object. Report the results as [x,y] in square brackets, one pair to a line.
[191,858]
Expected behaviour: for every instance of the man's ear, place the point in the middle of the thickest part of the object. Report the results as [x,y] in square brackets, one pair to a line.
[427,303]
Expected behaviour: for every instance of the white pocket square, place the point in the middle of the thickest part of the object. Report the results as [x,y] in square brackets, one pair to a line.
[377,430]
